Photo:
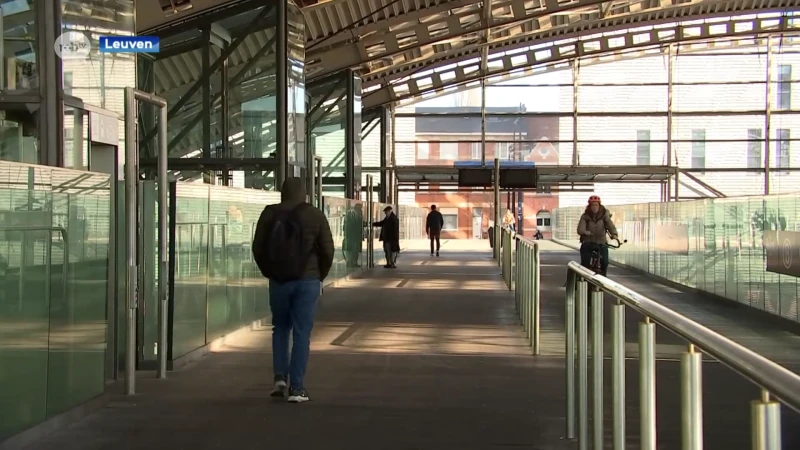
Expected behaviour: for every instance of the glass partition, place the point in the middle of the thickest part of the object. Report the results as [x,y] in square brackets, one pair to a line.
[714,245]
[54,248]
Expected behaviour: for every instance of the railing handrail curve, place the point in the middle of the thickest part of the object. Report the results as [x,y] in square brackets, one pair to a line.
[767,374]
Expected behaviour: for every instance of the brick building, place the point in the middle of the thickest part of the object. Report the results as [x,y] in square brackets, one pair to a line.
[442,140]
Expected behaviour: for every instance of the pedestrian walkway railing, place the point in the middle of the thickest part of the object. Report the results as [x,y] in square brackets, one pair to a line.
[519,260]
[584,297]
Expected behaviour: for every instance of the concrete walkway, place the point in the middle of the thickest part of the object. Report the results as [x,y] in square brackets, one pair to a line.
[426,356]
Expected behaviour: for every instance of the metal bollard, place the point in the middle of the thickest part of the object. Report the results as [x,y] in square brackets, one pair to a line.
[618,375]
[647,384]
[597,368]
[536,300]
[691,400]
[766,416]
[583,367]
[569,315]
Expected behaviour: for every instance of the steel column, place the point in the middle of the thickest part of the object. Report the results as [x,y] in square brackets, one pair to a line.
[576,69]
[497,224]
[205,79]
[350,130]
[487,20]
[670,79]
[51,91]
[318,161]
[281,101]
[368,212]
[768,117]
[383,176]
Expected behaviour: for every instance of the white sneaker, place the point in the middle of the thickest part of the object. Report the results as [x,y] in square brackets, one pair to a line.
[279,390]
[298,396]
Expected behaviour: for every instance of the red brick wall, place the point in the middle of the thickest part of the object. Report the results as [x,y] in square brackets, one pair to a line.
[465,202]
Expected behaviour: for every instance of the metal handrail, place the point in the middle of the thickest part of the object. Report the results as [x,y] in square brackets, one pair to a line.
[526,288]
[773,379]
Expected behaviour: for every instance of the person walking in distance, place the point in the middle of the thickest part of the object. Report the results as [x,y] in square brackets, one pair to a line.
[390,236]
[433,228]
[293,248]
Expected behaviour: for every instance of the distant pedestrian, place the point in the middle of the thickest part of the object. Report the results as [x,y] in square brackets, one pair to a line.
[293,248]
[433,228]
[390,236]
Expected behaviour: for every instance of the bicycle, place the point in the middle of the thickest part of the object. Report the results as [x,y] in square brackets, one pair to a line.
[596,258]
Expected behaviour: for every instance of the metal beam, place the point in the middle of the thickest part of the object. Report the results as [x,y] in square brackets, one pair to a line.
[214,67]
[550,49]
[458,22]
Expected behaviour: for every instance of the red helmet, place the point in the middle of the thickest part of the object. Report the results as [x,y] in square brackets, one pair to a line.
[594,198]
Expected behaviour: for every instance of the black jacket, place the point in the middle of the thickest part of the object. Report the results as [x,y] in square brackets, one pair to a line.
[390,231]
[315,225]
[434,223]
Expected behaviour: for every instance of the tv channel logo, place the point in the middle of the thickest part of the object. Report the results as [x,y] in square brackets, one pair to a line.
[129,44]
[73,45]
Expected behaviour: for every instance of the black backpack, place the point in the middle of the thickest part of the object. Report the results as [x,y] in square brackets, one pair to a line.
[279,249]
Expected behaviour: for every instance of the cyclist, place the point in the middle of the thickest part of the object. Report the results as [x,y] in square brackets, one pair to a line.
[594,225]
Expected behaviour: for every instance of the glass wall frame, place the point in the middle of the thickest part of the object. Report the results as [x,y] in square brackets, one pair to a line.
[616,112]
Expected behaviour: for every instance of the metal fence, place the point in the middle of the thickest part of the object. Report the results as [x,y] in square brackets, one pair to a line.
[584,294]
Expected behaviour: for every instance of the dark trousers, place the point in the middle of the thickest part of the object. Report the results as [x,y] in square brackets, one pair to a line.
[586,256]
[434,236]
[391,256]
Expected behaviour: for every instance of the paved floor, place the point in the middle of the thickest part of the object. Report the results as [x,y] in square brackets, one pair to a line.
[427,356]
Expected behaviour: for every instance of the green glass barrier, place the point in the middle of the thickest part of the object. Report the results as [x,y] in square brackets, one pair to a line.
[714,245]
[53,285]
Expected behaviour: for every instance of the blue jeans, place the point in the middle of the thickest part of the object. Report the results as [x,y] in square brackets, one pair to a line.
[293,306]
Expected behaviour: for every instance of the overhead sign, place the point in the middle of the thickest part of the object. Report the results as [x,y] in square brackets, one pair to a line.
[783,252]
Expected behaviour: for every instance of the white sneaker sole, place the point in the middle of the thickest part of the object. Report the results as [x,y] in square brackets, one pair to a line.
[297,399]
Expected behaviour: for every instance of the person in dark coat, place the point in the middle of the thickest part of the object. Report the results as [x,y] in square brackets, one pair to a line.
[433,228]
[390,236]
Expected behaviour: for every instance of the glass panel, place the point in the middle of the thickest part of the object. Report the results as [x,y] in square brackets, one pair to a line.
[19,70]
[100,79]
[715,245]
[53,291]
[326,130]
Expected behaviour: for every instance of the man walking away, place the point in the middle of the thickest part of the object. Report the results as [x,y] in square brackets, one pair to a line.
[433,228]
[293,248]
[390,236]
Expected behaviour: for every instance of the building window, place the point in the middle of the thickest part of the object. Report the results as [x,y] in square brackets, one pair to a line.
[422,150]
[643,147]
[448,150]
[698,149]
[754,146]
[503,150]
[784,87]
[450,216]
[543,220]
[782,148]
[476,150]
